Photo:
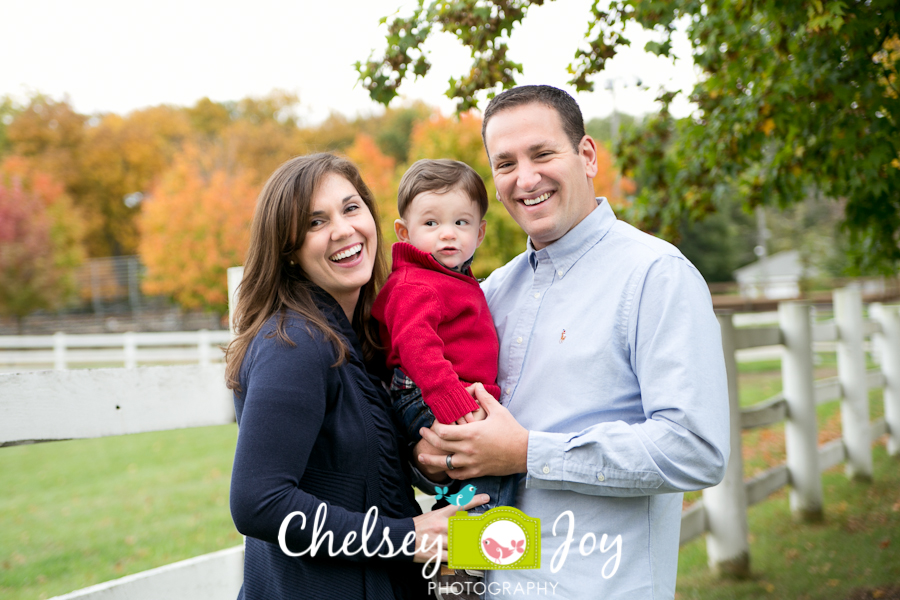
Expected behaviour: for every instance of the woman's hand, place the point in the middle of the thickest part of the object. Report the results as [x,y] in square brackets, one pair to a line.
[431,530]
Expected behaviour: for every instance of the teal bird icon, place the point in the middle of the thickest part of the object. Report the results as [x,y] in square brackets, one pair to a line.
[461,499]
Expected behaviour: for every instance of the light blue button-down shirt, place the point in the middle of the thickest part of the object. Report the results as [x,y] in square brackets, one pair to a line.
[611,357]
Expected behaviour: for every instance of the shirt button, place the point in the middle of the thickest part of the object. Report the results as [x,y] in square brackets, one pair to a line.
[560,273]
[508,390]
[537,294]
[546,469]
[519,340]
[600,477]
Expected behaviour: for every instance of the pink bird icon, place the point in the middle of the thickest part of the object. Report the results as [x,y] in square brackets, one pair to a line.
[493,549]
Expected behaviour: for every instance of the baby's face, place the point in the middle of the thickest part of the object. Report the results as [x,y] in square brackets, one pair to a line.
[447,225]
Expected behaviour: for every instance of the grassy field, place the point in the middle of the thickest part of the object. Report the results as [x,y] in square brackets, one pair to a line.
[81,512]
[857,545]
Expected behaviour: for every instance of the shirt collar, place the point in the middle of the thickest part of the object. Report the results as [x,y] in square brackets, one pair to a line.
[565,252]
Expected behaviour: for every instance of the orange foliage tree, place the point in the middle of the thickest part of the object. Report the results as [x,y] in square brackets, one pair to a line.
[379,171]
[40,240]
[194,225]
[120,156]
[261,147]
[50,134]
[609,182]
[263,132]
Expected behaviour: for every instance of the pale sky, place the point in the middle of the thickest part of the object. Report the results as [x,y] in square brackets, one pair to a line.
[115,56]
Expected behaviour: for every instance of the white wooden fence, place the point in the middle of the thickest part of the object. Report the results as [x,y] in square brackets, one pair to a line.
[20,352]
[57,405]
[722,513]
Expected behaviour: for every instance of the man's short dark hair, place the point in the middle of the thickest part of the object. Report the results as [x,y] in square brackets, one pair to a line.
[439,176]
[555,98]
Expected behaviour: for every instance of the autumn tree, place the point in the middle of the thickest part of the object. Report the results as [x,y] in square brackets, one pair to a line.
[122,156]
[379,171]
[40,240]
[609,182]
[194,226]
[99,161]
[261,147]
[334,134]
[8,111]
[392,130]
[256,133]
[792,96]
[102,160]
[51,135]
[209,118]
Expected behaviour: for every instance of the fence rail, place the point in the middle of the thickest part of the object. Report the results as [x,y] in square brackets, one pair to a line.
[46,406]
[129,348]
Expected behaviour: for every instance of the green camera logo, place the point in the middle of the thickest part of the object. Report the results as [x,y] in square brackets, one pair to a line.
[502,538]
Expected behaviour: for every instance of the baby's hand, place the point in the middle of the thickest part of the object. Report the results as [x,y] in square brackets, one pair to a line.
[475,415]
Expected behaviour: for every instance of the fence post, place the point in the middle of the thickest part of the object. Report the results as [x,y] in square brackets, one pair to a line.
[59,351]
[801,428]
[727,542]
[203,346]
[889,318]
[852,375]
[130,347]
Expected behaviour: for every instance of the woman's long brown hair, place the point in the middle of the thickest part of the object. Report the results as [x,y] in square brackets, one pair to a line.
[271,285]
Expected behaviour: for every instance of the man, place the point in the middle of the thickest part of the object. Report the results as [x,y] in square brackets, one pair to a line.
[611,367]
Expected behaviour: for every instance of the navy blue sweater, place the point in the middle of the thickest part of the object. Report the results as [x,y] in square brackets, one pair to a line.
[311,433]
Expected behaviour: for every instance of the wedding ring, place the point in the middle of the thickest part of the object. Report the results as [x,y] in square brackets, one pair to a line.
[449,462]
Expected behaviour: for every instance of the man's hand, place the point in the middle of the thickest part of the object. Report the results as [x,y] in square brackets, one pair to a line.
[435,474]
[498,445]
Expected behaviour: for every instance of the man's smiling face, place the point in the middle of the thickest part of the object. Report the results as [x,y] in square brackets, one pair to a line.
[543,182]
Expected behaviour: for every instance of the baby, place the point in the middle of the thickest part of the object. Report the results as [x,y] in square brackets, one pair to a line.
[435,323]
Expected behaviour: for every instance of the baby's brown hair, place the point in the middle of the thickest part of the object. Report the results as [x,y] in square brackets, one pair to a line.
[440,175]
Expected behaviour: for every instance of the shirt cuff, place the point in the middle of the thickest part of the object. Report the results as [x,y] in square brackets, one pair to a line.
[546,459]
[551,467]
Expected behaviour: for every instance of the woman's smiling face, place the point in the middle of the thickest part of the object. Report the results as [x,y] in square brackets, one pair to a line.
[338,252]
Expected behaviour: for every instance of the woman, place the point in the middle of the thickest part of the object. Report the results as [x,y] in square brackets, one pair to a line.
[314,426]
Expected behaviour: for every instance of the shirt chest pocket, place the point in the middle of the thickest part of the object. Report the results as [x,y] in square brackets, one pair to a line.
[589,357]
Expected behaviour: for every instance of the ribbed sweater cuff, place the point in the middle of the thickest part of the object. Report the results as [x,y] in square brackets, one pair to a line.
[452,405]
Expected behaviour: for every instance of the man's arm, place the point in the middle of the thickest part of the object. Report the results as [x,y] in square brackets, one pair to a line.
[676,356]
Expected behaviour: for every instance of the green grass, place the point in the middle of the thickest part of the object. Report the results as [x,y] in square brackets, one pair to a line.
[759,381]
[857,545]
[81,512]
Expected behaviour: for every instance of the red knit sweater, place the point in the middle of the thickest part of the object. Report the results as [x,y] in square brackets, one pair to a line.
[437,329]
